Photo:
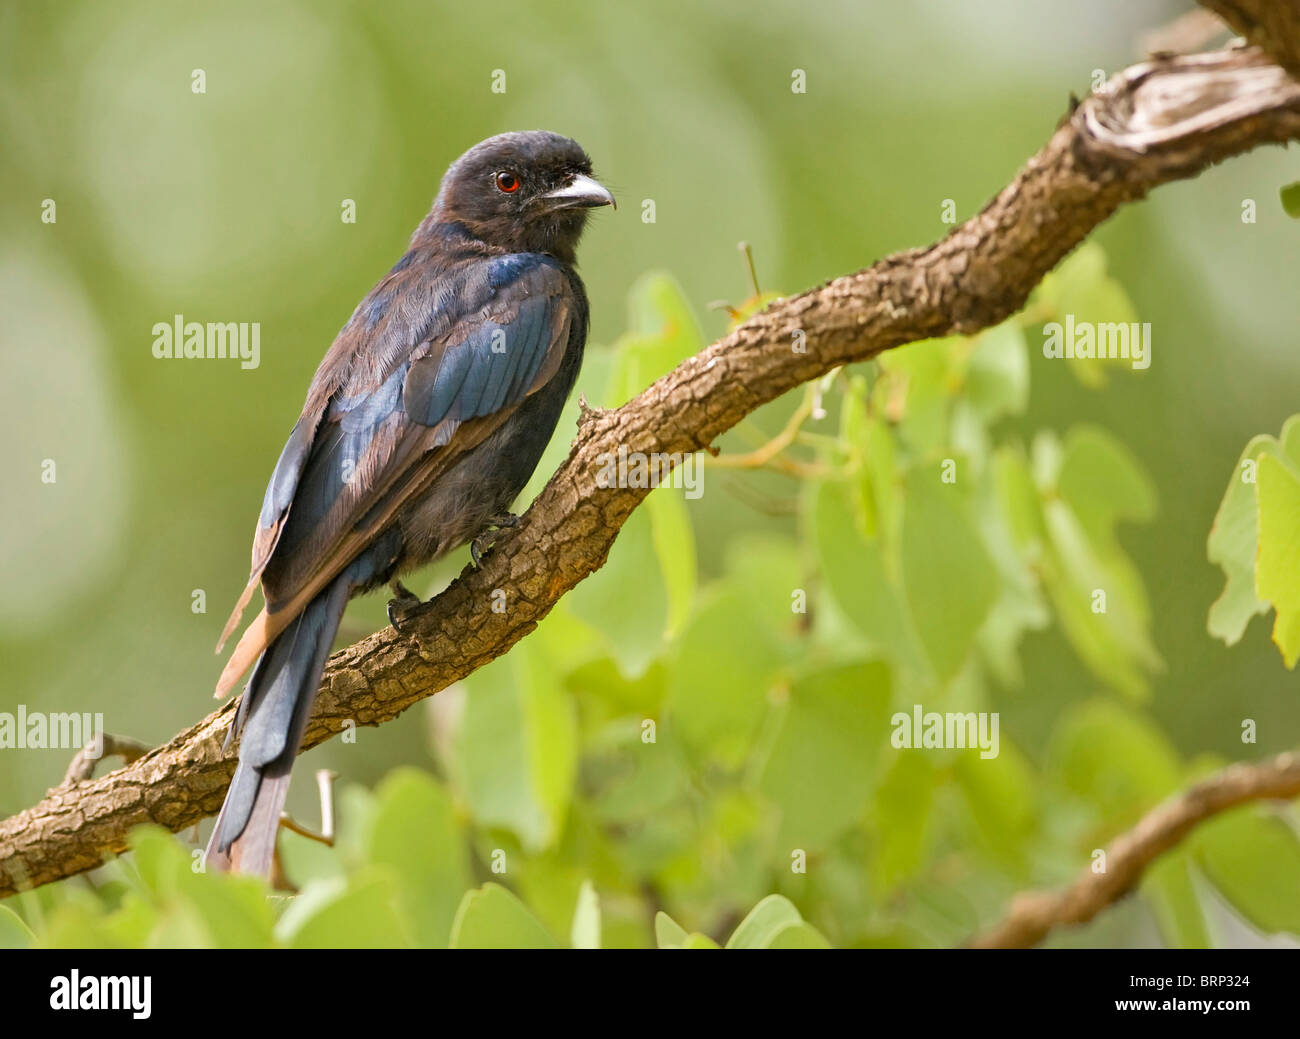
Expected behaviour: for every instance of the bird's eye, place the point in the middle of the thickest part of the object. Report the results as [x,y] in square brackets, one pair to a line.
[507,182]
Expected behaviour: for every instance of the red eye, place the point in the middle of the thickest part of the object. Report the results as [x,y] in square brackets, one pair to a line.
[507,182]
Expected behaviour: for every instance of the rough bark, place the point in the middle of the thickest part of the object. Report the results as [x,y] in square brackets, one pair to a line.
[1160,121]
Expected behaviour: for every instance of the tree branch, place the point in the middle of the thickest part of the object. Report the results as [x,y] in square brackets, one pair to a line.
[1160,121]
[1033,914]
[107,746]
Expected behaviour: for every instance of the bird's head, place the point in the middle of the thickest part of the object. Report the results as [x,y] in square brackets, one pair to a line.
[522,192]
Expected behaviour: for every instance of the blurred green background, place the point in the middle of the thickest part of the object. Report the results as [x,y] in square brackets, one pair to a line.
[225,206]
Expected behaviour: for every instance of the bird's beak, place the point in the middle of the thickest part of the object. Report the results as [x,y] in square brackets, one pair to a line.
[582,192]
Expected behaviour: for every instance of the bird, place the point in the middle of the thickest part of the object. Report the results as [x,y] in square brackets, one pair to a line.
[423,423]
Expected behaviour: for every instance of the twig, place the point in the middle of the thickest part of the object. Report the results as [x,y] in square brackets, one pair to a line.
[82,766]
[767,453]
[1033,914]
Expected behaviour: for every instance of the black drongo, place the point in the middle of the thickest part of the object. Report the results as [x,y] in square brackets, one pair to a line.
[425,420]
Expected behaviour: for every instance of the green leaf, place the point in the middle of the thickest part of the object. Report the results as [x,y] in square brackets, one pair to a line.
[1115,758]
[997,372]
[1290,195]
[1018,498]
[633,625]
[1099,483]
[718,684]
[1103,483]
[1011,530]
[354,808]
[585,932]
[771,915]
[491,759]
[1110,632]
[78,922]
[798,936]
[1290,441]
[159,860]
[305,860]
[551,722]
[550,885]
[821,768]
[135,921]
[1169,887]
[1254,859]
[1081,289]
[1277,575]
[180,907]
[493,918]
[854,569]
[645,779]
[517,748]
[669,934]
[767,570]
[1003,798]
[663,333]
[969,442]
[413,832]
[570,643]
[14,934]
[901,820]
[234,909]
[878,492]
[916,388]
[1233,544]
[935,914]
[948,578]
[674,543]
[358,914]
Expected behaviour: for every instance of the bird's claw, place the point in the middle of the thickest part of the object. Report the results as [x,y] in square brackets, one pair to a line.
[403,602]
[482,543]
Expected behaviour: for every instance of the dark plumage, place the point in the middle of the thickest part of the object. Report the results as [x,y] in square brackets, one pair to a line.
[423,423]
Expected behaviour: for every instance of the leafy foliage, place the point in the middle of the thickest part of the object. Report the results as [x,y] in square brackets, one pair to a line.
[1256,542]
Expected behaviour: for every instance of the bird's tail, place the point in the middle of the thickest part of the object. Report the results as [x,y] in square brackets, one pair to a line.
[273,715]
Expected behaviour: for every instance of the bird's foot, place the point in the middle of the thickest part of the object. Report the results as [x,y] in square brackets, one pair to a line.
[482,543]
[400,606]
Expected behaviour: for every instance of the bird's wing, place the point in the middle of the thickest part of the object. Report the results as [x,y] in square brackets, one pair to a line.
[344,475]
